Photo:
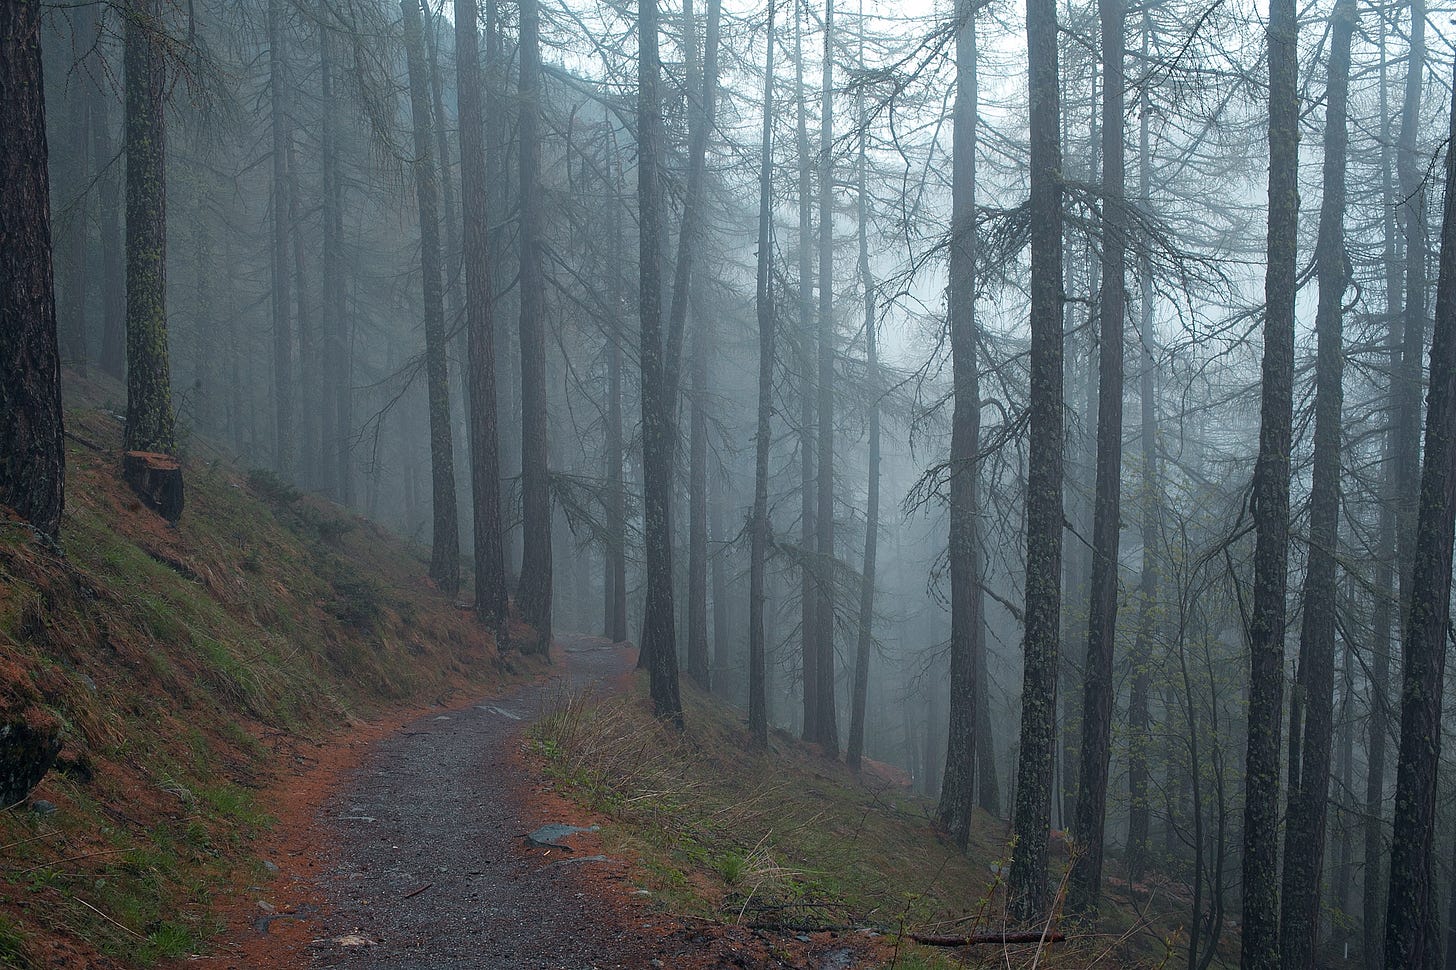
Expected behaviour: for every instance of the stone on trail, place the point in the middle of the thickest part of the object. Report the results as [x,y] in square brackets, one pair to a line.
[550,836]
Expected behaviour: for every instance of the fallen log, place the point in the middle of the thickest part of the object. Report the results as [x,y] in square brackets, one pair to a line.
[998,939]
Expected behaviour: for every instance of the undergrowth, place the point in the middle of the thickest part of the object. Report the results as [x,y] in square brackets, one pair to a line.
[183,667]
[788,841]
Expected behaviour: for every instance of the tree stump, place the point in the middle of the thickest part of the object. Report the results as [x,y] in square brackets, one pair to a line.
[157,480]
[26,754]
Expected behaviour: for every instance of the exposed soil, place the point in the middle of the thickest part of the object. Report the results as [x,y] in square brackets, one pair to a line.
[404,847]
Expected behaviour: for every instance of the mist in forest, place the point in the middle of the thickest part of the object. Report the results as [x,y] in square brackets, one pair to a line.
[1056,402]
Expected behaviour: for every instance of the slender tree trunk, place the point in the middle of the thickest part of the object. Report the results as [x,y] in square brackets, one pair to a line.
[1138,716]
[957,791]
[150,423]
[533,595]
[616,606]
[445,547]
[763,435]
[72,309]
[1377,728]
[808,533]
[283,442]
[698,512]
[719,490]
[1270,503]
[308,350]
[1089,821]
[32,434]
[337,409]
[1309,778]
[659,646]
[490,574]
[988,786]
[1411,937]
[872,490]
[1044,482]
[827,732]
[113,281]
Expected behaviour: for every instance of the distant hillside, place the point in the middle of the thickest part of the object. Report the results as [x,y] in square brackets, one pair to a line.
[177,666]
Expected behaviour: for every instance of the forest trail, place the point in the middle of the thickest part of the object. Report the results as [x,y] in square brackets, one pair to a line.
[418,857]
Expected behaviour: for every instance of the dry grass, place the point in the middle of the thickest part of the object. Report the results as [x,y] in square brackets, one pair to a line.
[718,831]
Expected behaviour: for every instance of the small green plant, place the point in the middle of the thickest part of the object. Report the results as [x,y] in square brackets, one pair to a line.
[730,866]
[272,489]
[12,946]
[170,941]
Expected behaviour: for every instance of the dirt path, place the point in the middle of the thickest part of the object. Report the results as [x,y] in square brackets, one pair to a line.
[418,858]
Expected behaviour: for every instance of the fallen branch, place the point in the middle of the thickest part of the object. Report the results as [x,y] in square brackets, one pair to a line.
[416,892]
[999,939]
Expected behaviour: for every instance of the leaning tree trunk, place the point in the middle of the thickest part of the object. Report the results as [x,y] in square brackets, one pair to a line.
[1044,477]
[957,789]
[1411,937]
[1259,943]
[1090,817]
[1309,777]
[32,445]
[763,435]
[533,595]
[659,646]
[490,574]
[150,424]
[855,748]
[445,547]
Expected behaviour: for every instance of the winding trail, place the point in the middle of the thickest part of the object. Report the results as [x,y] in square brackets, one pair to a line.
[422,861]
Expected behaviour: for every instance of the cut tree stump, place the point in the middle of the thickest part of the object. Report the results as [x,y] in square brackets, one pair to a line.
[157,480]
[27,752]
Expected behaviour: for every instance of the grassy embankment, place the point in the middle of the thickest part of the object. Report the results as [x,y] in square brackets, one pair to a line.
[184,667]
[790,841]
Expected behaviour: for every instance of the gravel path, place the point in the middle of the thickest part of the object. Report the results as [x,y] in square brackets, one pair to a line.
[426,864]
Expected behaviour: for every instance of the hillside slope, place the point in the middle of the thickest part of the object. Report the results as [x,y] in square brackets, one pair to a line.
[181,667]
[770,849]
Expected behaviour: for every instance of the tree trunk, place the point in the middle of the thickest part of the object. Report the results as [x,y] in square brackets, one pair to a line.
[337,406]
[32,445]
[1138,717]
[283,443]
[763,435]
[533,595]
[113,278]
[957,791]
[445,543]
[1411,938]
[71,312]
[150,423]
[490,575]
[872,490]
[808,533]
[698,512]
[1044,477]
[659,646]
[1089,820]
[616,574]
[1270,504]
[827,731]
[1309,778]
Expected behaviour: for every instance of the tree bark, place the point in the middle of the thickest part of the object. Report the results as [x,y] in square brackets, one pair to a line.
[113,273]
[533,595]
[1411,937]
[445,543]
[32,446]
[1259,943]
[150,423]
[1089,820]
[490,574]
[763,435]
[957,791]
[855,748]
[283,442]
[1044,476]
[659,646]
[616,584]
[808,533]
[1138,716]
[1309,777]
